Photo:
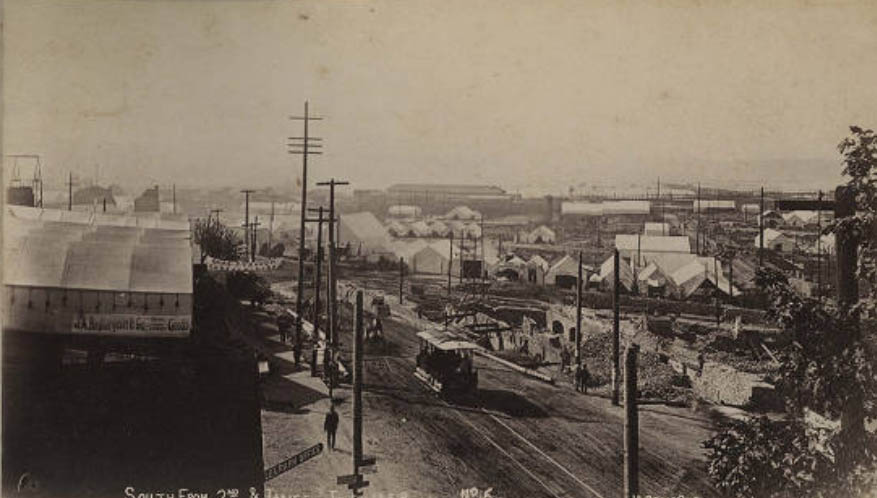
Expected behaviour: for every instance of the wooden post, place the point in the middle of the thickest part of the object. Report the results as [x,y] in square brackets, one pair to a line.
[357,384]
[450,261]
[731,277]
[578,336]
[761,232]
[318,258]
[631,425]
[616,332]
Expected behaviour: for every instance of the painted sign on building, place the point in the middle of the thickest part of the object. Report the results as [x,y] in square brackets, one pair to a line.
[131,324]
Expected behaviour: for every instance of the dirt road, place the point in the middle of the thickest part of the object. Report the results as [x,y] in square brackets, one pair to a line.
[519,436]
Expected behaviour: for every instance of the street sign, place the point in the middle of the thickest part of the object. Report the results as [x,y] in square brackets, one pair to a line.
[293,461]
[353,481]
[369,470]
[357,485]
[366,460]
[349,479]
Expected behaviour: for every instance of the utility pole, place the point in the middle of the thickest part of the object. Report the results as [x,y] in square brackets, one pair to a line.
[761,232]
[631,424]
[357,384]
[450,261]
[616,331]
[302,146]
[254,232]
[731,276]
[317,281]
[271,227]
[331,276]
[247,240]
[578,336]
[718,306]
[401,277]
[697,237]
[819,246]
[462,248]
[70,185]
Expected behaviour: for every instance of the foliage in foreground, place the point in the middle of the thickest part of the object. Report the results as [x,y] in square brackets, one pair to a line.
[828,369]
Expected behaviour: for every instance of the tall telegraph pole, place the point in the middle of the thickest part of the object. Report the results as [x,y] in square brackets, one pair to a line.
[304,147]
[331,276]
[247,193]
[70,185]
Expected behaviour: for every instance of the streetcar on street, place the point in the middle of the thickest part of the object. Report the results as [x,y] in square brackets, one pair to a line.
[445,363]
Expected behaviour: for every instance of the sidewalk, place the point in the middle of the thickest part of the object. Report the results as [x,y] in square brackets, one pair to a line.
[294,407]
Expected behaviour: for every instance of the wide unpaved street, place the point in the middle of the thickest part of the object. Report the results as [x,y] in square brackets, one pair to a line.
[521,437]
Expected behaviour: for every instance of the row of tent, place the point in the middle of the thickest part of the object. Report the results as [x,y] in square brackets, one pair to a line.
[434,228]
[676,275]
[459,213]
[776,240]
[796,218]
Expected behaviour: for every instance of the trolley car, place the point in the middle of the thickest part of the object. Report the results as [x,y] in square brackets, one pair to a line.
[445,363]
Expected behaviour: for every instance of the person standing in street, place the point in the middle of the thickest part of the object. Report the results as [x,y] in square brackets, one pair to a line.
[578,378]
[585,378]
[330,426]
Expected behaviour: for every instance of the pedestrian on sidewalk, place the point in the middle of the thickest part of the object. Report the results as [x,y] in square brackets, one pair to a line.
[330,426]
[586,377]
[578,378]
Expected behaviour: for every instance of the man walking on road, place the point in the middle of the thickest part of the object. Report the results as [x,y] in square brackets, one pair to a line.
[330,426]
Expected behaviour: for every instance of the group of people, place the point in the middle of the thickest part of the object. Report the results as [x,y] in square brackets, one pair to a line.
[582,378]
[582,375]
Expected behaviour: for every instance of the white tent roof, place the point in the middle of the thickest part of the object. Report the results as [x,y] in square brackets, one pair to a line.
[363,229]
[544,232]
[625,272]
[605,208]
[420,228]
[94,257]
[439,228]
[463,213]
[653,243]
[537,260]
[716,204]
[656,228]
[770,236]
[567,265]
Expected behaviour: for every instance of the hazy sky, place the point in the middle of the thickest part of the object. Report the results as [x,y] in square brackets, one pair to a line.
[511,92]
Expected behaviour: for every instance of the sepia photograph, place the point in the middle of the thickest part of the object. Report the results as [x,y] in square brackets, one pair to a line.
[438,249]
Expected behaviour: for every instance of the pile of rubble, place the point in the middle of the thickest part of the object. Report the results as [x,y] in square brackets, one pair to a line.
[656,379]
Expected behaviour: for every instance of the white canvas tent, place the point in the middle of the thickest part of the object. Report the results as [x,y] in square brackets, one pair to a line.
[625,274]
[364,234]
[82,274]
[632,245]
[775,240]
[542,235]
